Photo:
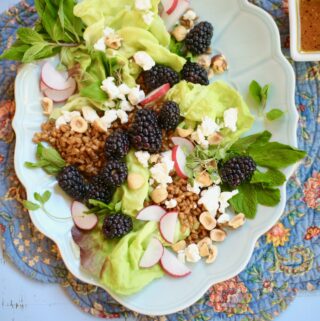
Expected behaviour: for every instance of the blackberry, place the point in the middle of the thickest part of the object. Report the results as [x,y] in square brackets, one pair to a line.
[116,225]
[158,76]
[169,115]
[114,173]
[237,170]
[198,40]
[117,145]
[99,190]
[145,133]
[193,72]
[72,182]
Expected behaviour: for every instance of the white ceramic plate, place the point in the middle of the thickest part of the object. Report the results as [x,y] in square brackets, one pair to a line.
[250,40]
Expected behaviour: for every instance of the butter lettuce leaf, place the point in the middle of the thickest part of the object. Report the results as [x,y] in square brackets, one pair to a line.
[197,101]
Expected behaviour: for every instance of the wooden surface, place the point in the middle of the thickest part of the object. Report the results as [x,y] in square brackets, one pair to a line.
[23,299]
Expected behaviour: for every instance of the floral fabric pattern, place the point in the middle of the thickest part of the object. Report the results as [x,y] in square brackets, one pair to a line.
[285,260]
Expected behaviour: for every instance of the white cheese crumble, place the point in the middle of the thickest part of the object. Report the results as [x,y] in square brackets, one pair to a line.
[124,89]
[69,115]
[224,198]
[89,114]
[123,116]
[109,117]
[190,15]
[143,4]
[160,174]
[100,45]
[110,88]
[109,104]
[210,199]
[196,188]
[199,138]
[208,126]
[166,158]
[60,121]
[171,204]
[230,117]
[192,253]
[144,60]
[148,17]
[224,218]
[136,95]
[125,106]
[143,158]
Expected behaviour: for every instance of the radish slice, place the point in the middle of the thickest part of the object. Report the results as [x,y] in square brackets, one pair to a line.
[152,255]
[60,95]
[151,213]
[172,266]
[43,86]
[180,161]
[184,143]
[170,20]
[167,226]
[83,221]
[169,5]
[54,79]
[155,95]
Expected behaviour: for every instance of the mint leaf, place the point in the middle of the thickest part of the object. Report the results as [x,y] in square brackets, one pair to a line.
[264,95]
[16,52]
[52,156]
[242,144]
[38,198]
[29,36]
[255,91]
[245,201]
[272,177]
[30,206]
[31,54]
[94,92]
[274,114]
[46,196]
[268,196]
[275,155]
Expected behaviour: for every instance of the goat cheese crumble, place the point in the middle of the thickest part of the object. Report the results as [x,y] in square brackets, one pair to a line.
[144,60]
[143,158]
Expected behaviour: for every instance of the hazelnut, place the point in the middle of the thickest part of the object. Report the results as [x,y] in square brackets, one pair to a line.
[213,250]
[208,221]
[180,33]
[217,235]
[180,246]
[215,139]
[219,64]
[113,41]
[100,126]
[237,221]
[182,132]
[188,19]
[205,240]
[79,124]
[204,250]
[47,106]
[159,194]
[135,181]
[204,61]
[204,179]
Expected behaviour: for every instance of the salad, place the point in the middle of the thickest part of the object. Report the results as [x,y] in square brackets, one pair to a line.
[150,147]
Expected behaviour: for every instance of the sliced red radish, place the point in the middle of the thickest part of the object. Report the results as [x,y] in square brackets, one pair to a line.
[180,161]
[61,95]
[54,79]
[152,254]
[155,95]
[82,220]
[167,226]
[169,5]
[176,11]
[43,86]
[172,266]
[184,143]
[151,213]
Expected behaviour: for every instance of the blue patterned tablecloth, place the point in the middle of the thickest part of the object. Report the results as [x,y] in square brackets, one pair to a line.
[285,260]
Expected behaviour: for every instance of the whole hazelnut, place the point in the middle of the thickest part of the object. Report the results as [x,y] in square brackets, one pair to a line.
[159,194]
[219,64]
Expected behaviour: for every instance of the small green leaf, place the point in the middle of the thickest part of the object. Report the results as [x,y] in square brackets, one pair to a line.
[272,177]
[274,114]
[245,201]
[38,164]
[53,157]
[255,91]
[46,196]
[30,206]
[38,197]
[29,36]
[31,54]
[264,95]
[268,196]
[94,92]
[16,51]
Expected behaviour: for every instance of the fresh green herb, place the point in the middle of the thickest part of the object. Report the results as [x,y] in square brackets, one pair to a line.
[259,94]
[268,196]
[94,92]
[101,208]
[270,178]
[246,201]
[177,47]
[275,155]
[41,201]
[274,114]
[48,159]
[57,27]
